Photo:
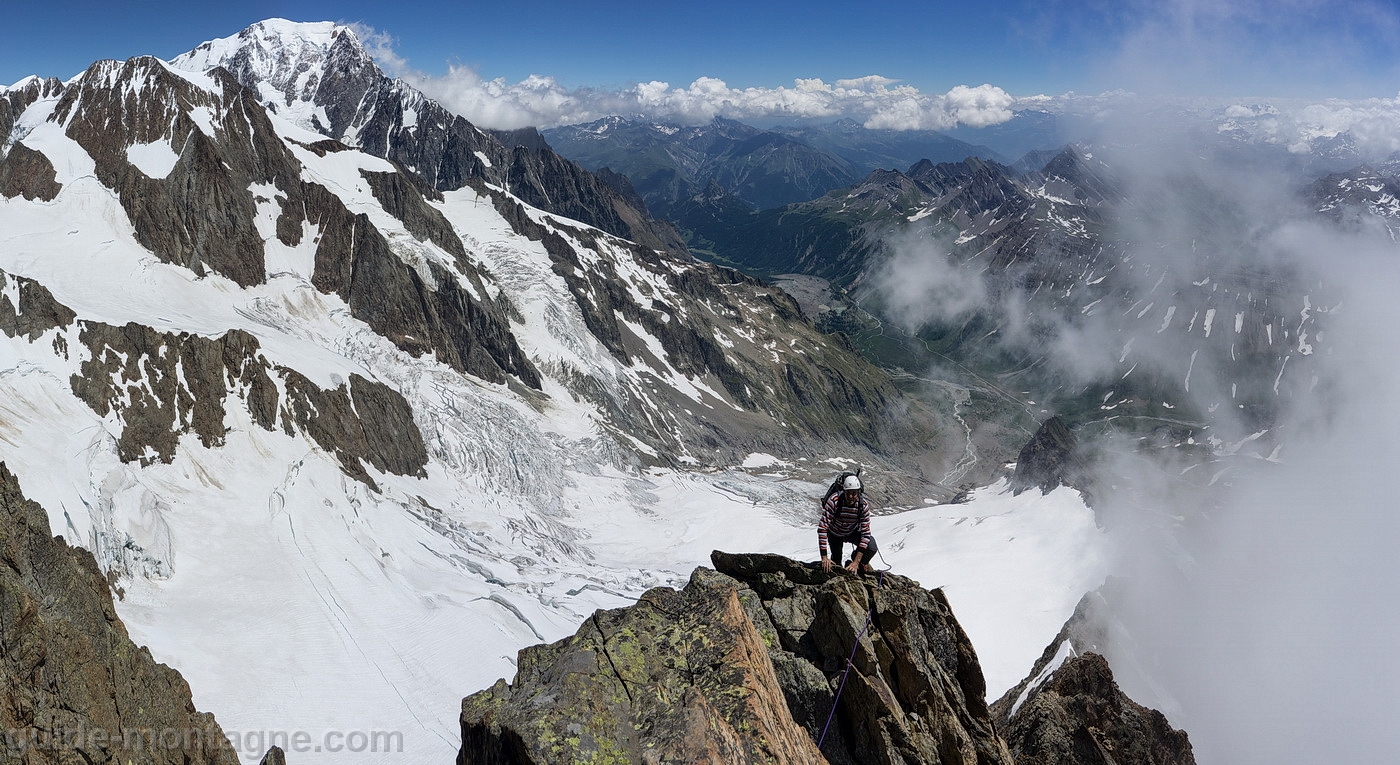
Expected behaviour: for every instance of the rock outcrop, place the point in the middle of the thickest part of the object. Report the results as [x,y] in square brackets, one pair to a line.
[747,664]
[27,173]
[1049,459]
[1070,711]
[74,688]
[164,385]
[1078,716]
[201,213]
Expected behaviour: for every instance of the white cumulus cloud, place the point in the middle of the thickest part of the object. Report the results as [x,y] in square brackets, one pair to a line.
[540,101]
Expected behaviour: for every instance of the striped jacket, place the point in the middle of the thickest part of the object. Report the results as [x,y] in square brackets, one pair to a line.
[841,520]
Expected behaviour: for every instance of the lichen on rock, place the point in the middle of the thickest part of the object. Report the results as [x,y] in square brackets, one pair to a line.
[744,665]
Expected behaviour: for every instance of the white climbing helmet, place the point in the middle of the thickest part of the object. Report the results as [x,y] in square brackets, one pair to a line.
[852,483]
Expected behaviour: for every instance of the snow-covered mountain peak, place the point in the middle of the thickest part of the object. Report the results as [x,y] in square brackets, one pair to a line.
[286,63]
[25,82]
[276,49]
[141,73]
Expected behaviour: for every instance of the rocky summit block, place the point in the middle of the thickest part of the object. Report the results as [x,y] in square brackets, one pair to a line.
[1069,710]
[1078,716]
[745,665]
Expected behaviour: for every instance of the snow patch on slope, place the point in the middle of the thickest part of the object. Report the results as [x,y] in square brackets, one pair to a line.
[155,159]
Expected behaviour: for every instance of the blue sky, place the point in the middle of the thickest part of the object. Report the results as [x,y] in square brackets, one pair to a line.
[1240,47]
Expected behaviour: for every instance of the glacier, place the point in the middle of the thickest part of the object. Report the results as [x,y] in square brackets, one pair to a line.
[295,598]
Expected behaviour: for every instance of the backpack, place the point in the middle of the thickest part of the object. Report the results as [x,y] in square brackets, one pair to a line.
[838,485]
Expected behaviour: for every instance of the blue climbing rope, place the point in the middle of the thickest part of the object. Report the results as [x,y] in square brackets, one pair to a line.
[880,581]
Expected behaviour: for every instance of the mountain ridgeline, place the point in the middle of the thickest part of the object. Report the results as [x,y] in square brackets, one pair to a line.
[764,659]
[1068,289]
[334,87]
[403,268]
[669,165]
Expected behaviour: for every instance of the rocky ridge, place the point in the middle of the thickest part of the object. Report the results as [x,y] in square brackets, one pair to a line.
[749,663]
[75,687]
[321,76]
[1069,708]
[744,665]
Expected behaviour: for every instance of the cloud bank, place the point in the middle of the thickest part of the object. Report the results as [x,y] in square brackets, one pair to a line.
[541,101]
[875,101]
[1268,621]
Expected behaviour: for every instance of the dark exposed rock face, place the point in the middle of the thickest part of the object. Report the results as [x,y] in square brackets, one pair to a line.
[404,199]
[164,385]
[355,262]
[1069,709]
[1078,716]
[1049,459]
[75,688]
[390,119]
[27,173]
[366,423]
[201,215]
[36,313]
[743,665]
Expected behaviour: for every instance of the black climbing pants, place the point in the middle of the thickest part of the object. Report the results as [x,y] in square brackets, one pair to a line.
[854,538]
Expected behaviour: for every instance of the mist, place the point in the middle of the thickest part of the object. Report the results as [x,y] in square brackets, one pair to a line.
[920,283]
[1259,592]
[1265,623]
[1263,615]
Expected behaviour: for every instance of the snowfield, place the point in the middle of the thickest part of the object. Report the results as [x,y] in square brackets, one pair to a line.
[309,611]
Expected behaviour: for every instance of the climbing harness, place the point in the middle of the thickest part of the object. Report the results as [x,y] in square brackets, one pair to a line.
[880,581]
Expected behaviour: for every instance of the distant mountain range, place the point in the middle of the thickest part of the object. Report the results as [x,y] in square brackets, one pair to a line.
[1057,244]
[671,164]
[1063,288]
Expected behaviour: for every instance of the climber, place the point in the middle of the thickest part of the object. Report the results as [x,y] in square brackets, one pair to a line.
[846,518]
